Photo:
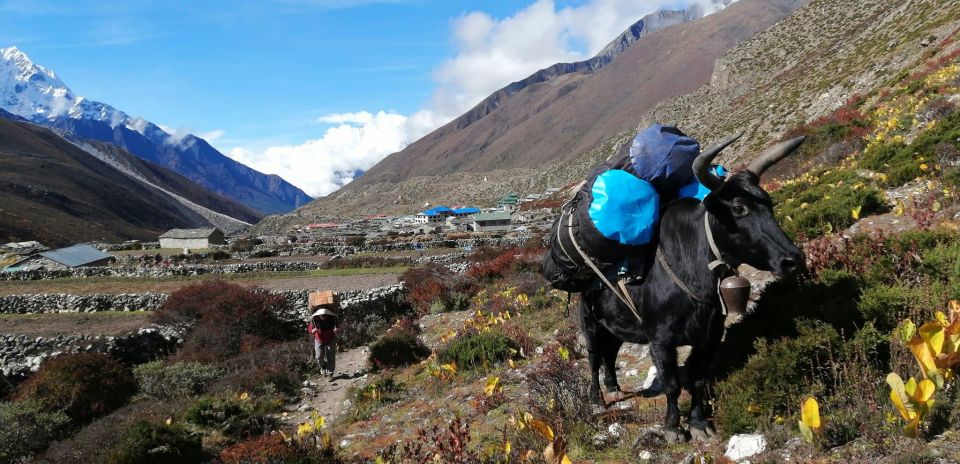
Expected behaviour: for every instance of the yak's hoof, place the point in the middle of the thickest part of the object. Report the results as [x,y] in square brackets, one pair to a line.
[675,435]
[702,432]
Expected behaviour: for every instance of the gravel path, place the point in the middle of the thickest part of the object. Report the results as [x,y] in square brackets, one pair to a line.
[329,396]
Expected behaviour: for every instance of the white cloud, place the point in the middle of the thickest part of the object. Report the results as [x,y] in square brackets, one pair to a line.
[490,53]
[212,135]
[357,141]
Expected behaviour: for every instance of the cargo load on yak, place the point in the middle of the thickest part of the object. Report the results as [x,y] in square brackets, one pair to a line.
[606,230]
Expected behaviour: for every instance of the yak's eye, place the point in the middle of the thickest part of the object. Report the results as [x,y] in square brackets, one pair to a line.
[740,210]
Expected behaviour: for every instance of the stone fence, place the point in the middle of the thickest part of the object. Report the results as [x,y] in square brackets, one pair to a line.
[72,303]
[20,354]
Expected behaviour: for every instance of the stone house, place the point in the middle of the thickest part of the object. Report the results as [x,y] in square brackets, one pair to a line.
[192,239]
[497,221]
[63,258]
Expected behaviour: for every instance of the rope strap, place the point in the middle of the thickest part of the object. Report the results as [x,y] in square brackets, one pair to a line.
[623,296]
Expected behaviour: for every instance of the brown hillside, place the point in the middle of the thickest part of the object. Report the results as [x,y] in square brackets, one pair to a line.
[558,119]
[54,192]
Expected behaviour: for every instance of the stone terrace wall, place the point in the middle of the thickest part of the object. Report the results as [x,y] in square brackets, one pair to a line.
[70,303]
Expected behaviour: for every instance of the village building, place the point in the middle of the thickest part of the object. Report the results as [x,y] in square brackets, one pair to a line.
[498,221]
[459,224]
[63,258]
[508,202]
[192,239]
[436,215]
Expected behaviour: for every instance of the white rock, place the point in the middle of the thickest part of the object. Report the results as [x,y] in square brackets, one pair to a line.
[645,455]
[631,373]
[651,378]
[616,430]
[745,445]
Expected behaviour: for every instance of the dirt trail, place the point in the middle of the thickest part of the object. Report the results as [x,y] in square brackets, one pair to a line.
[328,396]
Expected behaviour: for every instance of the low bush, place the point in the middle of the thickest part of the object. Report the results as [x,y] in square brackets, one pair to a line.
[233,417]
[773,380]
[400,346]
[269,370]
[275,449]
[265,448]
[95,441]
[26,427]
[479,350]
[175,381]
[149,442]
[83,386]
[222,314]
[822,203]
[375,394]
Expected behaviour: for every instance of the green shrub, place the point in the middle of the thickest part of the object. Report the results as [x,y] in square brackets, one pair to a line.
[26,427]
[375,394]
[175,381]
[887,305]
[148,443]
[231,416]
[400,346]
[479,350]
[83,386]
[775,378]
[808,209]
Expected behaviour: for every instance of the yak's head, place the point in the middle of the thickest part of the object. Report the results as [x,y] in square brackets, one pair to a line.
[745,229]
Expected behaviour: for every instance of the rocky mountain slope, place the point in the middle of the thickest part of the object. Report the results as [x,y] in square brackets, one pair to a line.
[553,115]
[59,192]
[37,94]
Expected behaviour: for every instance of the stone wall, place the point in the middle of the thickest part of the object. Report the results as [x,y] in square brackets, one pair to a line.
[71,303]
[20,355]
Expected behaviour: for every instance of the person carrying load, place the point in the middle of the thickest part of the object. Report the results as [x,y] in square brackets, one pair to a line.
[322,324]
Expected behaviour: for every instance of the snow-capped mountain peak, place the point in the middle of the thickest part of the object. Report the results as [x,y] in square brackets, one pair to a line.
[36,93]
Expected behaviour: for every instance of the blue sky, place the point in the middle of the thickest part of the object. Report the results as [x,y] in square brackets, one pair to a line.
[285,85]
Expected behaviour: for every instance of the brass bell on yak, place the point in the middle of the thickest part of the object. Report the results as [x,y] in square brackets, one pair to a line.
[735,291]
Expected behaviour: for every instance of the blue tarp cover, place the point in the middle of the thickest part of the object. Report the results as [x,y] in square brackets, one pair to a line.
[624,208]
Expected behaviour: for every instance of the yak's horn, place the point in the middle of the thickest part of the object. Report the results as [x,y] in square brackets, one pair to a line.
[701,165]
[774,154]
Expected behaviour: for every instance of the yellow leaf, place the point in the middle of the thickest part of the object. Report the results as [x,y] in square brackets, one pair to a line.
[899,397]
[899,209]
[754,409]
[803,205]
[855,212]
[304,428]
[169,421]
[923,166]
[492,384]
[924,391]
[921,351]
[512,364]
[936,206]
[541,428]
[882,177]
[506,448]
[564,353]
[810,414]
[805,432]
[244,396]
[933,334]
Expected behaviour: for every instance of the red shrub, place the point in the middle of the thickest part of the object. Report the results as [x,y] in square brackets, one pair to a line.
[426,284]
[83,386]
[265,448]
[225,316]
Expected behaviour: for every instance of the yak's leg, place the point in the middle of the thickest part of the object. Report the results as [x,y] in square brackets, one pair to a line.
[665,357]
[611,348]
[697,370]
[590,327]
